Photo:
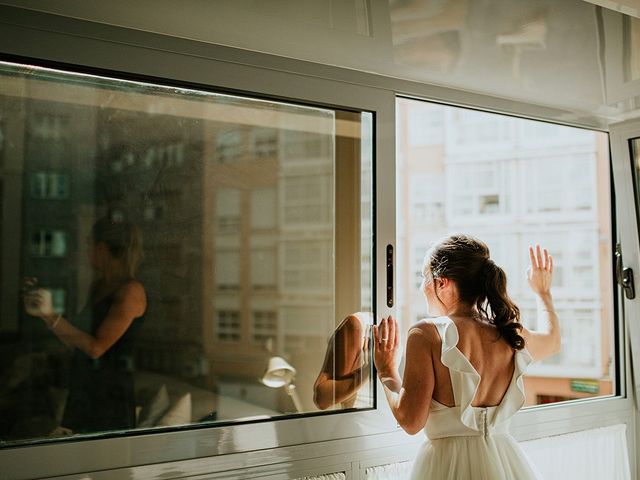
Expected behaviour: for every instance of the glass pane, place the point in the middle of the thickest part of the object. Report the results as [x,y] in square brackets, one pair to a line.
[171,256]
[631,40]
[513,183]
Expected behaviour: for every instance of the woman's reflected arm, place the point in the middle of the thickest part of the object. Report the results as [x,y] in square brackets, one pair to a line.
[129,303]
[345,366]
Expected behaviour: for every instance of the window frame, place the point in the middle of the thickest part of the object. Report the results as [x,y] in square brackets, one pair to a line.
[128,60]
[566,417]
[65,43]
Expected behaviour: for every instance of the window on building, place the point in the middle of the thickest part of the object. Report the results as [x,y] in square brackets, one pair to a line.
[228,214]
[264,208]
[305,266]
[227,269]
[49,185]
[307,200]
[47,126]
[265,327]
[305,147]
[49,243]
[513,183]
[264,269]
[264,142]
[59,299]
[229,146]
[227,327]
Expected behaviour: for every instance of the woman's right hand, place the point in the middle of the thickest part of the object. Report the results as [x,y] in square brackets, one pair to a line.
[540,271]
[39,303]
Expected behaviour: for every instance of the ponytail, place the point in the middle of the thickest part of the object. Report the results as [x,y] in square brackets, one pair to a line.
[466,261]
[498,307]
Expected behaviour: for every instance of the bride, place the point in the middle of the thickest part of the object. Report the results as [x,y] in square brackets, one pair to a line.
[463,372]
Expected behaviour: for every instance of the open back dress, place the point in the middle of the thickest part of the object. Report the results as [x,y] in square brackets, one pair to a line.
[467,442]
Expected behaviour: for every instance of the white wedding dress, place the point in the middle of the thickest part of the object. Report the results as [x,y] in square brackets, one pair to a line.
[466,442]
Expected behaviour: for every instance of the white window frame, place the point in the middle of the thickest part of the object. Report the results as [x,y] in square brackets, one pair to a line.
[65,41]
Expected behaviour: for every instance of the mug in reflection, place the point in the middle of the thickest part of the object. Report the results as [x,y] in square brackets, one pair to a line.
[344,377]
[38,301]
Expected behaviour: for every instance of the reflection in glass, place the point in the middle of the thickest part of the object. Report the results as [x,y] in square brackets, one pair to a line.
[514,182]
[634,146]
[257,225]
[428,34]
[344,377]
[631,48]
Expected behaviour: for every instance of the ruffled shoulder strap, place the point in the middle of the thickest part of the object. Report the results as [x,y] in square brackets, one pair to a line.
[464,377]
[514,398]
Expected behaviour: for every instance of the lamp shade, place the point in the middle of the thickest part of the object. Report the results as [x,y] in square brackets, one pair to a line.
[278,373]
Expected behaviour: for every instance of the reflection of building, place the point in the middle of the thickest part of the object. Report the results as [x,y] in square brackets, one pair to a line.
[236,200]
[272,250]
[57,171]
[149,172]
[513,183]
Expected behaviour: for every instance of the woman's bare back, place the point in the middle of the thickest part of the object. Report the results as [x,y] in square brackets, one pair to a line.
[490,355]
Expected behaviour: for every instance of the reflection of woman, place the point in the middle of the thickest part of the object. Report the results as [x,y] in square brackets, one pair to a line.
[100,385]
[345,371]
[463,371]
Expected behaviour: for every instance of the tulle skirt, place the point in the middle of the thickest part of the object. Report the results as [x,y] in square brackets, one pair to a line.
[496,457]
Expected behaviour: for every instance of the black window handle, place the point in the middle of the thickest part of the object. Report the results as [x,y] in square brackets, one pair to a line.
[389,276]
[624,276]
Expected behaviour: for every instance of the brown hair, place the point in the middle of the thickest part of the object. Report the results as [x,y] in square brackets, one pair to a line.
[465,260]
[123,239]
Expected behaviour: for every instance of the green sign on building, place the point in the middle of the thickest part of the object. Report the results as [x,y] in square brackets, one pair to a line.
[586,386]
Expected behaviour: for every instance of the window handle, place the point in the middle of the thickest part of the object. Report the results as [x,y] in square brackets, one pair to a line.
[389,276]
[624,276]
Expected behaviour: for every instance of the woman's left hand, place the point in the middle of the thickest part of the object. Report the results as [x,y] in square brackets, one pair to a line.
[387,341]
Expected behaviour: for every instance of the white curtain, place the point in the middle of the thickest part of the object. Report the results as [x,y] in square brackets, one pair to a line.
[326,476]
[596,454]
[390,471]
[590,454]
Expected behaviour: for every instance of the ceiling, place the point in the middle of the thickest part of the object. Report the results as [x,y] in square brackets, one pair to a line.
[571,55]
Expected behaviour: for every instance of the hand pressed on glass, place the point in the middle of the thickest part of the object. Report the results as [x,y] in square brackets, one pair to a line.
[387,342]
[346,368]
[545,340]
[540,271]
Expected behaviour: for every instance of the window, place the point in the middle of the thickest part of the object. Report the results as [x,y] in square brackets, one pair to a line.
[47,126]
[49,243]
[513,193]
[478,188]
[265,327]
[307,200]
[305,266]
[109,125]
[222,207]
[265,142]
[229,146]
[227,326]
[264,269]
[59,298]
[228,211]
[227,269]
[264,208]
[49,185]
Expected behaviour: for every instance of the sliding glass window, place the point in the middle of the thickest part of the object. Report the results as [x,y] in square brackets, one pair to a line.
[174,256]
[512,183]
